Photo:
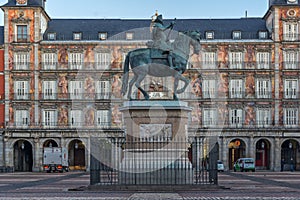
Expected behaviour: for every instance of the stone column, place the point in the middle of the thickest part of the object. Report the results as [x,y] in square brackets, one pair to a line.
[225,152]
[277,152]
[251,152]
[1,150]
[272,158]
[37,156]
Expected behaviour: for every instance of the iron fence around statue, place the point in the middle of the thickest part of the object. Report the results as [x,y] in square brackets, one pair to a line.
[115,161]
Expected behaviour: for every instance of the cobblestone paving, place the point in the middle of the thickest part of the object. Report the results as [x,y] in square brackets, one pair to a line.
[239,186]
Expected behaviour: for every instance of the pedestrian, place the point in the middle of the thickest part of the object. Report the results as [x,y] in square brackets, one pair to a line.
[282,164]
[292,164]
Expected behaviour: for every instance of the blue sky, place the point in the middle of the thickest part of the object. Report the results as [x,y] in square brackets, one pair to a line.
[144,9]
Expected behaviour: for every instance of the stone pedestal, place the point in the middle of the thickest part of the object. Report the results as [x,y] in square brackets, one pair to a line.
[156,147]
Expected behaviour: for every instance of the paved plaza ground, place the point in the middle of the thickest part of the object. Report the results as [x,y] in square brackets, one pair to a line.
[43,186]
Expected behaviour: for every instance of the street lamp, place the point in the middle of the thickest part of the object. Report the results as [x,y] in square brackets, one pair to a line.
[22,146]
[76,145]
[262,145]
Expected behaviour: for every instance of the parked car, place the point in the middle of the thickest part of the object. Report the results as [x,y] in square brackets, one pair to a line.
[244,164]
[221,167]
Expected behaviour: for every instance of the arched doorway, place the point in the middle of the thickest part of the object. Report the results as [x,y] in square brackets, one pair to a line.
[262,155]
[50,143]
[237,149]
[289,153]
[76,155]
[23,157]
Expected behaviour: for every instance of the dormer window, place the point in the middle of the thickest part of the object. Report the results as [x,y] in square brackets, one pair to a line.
[21,2]
[209,35]
[77,36]
[292,1]
[22,35]
[262,34]
[102,36]
[129,36]
[236,35]
[51,36]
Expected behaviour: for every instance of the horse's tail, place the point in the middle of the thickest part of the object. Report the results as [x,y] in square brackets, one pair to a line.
[125,75]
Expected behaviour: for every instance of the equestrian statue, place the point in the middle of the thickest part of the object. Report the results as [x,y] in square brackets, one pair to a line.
[161,59]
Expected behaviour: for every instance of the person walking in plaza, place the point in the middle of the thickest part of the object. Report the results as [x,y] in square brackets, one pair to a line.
[282,164]
[292,164]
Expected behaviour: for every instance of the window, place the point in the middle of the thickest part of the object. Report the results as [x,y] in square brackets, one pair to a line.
[290,117]
[129,36]
[290,88]
[76,118]
[103,89]
[49,61]
[21,90]
[209,88]
[263,117]
[102,36]
[290,31]
[236,35]
[22,118]
[235,60]
[49,89]
[209,35]
[51,36]
[75,60]
[209,60]
[22,33]
[49,118]
[236,117]
[236,88]
[77,36]
[103,60]
[263,89]
[210,117]
[263,35]
[21,61]
[103,119]
[263,60]
[290,59]
[76,89]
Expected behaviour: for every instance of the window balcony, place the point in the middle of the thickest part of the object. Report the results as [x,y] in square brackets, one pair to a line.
[290,37]
[21,38]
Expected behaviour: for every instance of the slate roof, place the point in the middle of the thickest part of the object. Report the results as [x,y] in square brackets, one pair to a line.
[280,2]
[33,3]
[116,28]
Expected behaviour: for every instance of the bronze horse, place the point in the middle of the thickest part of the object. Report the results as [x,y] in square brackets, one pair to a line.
[143,62]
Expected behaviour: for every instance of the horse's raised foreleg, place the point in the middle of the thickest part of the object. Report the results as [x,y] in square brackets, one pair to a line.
[130,87]
[186,83]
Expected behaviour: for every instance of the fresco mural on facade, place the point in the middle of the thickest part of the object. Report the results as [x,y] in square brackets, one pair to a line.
[89,88]
[89,116]
[196,114]
[223,85]
[116,62]
[250,114]
[62,86]
[63,115]
[116,115]
[63,58]
[89,58]
[222,57]
[250,57]
[196,84]
[116,85]
[250,86]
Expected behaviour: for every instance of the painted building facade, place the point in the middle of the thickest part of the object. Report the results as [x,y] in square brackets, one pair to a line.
[62,83]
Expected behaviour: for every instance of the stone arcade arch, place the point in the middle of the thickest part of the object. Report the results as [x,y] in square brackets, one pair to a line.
[290,149]
[50,143]
[237,149]
[23,156]
[76,151]
[262,154]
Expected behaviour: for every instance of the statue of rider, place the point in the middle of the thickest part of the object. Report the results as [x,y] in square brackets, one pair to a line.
[160,38]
